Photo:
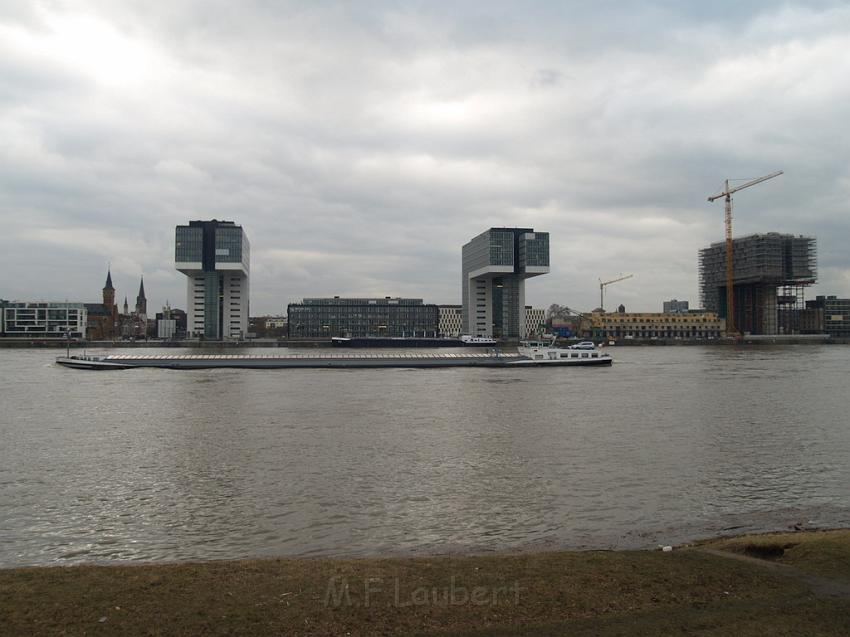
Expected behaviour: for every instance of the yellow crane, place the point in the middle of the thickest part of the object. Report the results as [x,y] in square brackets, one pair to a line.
[730,278]
[604,284]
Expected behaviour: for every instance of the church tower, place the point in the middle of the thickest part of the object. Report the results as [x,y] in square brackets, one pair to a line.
[141,301]
[126,307]
[108,291]
[108,329]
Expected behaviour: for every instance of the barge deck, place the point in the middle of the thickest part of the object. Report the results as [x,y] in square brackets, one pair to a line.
[338,360]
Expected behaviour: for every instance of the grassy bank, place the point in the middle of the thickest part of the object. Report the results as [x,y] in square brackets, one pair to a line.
[773,584]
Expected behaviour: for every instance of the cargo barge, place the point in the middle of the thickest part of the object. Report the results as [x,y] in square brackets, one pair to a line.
[528,354]
[378,341]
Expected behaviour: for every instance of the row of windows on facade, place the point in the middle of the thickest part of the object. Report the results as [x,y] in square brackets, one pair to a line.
[660,333]
[231,245]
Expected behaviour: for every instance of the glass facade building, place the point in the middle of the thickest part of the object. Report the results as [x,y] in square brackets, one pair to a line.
[495,265]
[833,315]
[215,256]
[361,317]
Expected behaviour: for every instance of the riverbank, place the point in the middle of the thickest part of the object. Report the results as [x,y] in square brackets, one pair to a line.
[22,343]
[791,583]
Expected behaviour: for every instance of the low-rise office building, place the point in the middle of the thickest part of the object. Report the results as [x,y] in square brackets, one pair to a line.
[451,320]
[674,306]
[45,319]
[535,321]
[359,317]
[653,325]
[828,314]
[267,327]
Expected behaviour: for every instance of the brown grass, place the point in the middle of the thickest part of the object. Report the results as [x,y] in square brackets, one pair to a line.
[825,553]
[598,593]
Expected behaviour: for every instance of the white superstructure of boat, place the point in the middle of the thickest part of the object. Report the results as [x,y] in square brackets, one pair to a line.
[543,353]
[477,340]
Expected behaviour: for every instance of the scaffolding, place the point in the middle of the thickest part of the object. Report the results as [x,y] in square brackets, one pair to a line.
[771,272]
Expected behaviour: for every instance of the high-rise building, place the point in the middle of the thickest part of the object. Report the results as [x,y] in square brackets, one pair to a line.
[770,274]
[495,266]
[215,257]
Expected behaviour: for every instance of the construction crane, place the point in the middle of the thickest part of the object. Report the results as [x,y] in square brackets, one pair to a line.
[604,284]
[730,279]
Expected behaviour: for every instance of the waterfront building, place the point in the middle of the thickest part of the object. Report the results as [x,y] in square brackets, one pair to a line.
[141,300]
[267,327]
[135,324]
[653,325]
[102,319]
[770,274]
[451,320]
[166,328]
[535,321]
[170,323]
[359,317]
[827,314]
[675,307]
[495,265]
[28,319]
[215,257]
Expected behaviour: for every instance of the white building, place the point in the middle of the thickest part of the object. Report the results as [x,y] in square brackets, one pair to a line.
[451,320]
[535,321]
[36,318]
[215,257]
[166,328]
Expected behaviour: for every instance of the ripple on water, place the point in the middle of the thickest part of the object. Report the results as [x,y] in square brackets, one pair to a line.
[668,445]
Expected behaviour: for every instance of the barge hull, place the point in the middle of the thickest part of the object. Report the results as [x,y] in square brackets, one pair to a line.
[377,362]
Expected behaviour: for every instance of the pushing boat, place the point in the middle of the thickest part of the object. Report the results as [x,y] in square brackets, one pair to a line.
[528,354]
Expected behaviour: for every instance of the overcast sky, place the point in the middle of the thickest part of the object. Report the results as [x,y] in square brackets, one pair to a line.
[361,144]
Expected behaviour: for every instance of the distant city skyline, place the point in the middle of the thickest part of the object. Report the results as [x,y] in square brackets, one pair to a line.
[361,147]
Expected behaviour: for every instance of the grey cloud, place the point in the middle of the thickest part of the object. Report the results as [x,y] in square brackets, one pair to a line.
[361,146]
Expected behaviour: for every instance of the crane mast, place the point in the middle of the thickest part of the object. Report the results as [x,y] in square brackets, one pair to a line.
[604,284]
[730,263]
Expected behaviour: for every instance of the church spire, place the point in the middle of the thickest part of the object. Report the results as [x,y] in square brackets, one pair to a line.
[108,291]
[141,301]
[126,307]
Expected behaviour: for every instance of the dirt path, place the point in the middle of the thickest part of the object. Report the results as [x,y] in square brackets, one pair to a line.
[820,586]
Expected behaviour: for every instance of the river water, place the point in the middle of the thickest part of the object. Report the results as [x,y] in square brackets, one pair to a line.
[668,445]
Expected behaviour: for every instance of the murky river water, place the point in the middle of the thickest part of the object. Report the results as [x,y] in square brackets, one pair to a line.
[669,444]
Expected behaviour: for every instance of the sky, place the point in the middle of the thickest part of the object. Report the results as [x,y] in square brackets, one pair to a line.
[360,145]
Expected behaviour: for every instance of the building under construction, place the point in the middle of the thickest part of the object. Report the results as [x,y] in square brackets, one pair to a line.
[771,272]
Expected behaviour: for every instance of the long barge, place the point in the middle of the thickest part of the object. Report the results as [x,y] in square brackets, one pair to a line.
[528,354]
[408,342]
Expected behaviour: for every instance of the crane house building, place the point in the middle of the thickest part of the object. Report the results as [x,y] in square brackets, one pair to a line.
[495,265]
[215,257]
